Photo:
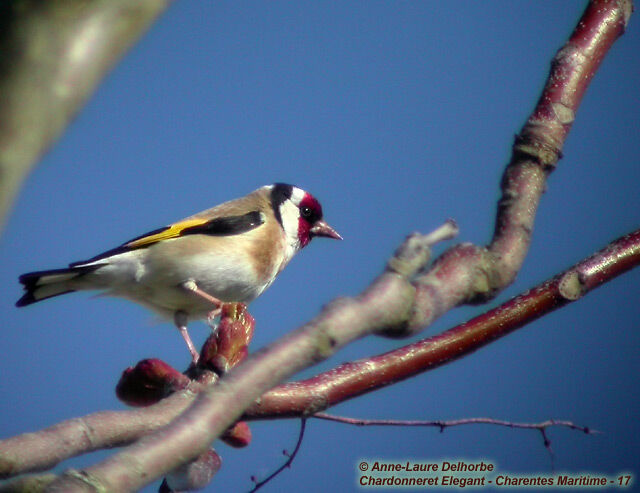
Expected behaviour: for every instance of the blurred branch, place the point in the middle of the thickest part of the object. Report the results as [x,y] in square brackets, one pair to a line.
[407,296]
[355,378]
[53,54]
[44,449]
[384,304]
[28,484]
[397,303]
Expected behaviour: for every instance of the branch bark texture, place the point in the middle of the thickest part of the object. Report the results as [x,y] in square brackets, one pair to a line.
[472,274]
[410,294]
[53,54]
[355,378]
[44,449]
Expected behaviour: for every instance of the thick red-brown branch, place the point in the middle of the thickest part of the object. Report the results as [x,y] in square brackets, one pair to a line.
[399,303]
[471,274]
[44,449]
[571,72]
[352,379]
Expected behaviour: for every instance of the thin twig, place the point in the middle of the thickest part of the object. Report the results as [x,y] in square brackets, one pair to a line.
[291,456]
[44,449]
[442,424]
[352,379]
[399,303]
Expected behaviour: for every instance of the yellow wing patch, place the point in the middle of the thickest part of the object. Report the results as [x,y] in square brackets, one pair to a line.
[172,231]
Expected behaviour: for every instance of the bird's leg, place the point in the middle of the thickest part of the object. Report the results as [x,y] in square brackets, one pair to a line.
[180,319]
[193,287]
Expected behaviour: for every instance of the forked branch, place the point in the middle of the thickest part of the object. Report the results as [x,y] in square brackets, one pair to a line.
[409,294]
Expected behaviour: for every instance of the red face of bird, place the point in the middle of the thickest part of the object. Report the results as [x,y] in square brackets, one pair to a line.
[300,213]
[310,223]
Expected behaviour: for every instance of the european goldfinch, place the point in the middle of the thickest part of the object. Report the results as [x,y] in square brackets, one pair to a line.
[230,253]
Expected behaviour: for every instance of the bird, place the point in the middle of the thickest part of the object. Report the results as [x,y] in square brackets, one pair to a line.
[185,271]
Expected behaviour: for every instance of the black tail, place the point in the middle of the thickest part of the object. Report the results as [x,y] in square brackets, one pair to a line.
[45,284]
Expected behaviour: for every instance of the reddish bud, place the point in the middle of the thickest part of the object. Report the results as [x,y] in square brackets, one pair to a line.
[228,346]
[148,382]
[194,475]
[238,436]
[209,350]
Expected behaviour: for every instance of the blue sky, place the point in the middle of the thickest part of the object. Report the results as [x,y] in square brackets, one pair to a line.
[396,115]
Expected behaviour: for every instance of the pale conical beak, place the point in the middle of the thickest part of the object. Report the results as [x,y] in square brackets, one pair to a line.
[320,228]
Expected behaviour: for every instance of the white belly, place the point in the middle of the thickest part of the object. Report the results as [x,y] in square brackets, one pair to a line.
[154,279]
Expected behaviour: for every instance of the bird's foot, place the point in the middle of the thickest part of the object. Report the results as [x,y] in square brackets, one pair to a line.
[211,319]
[180,319]
[191,285]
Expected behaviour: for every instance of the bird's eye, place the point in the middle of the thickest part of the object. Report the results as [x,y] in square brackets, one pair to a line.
[306,211]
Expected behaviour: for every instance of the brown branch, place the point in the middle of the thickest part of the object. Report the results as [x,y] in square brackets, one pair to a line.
[398,303]
[28,484]
[384,304]
[471,274]
[53,55]
[44,449]
[352,379]
[107,429]
[194,475]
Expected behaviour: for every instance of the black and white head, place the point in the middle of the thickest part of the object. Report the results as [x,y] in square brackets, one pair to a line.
[300,215]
